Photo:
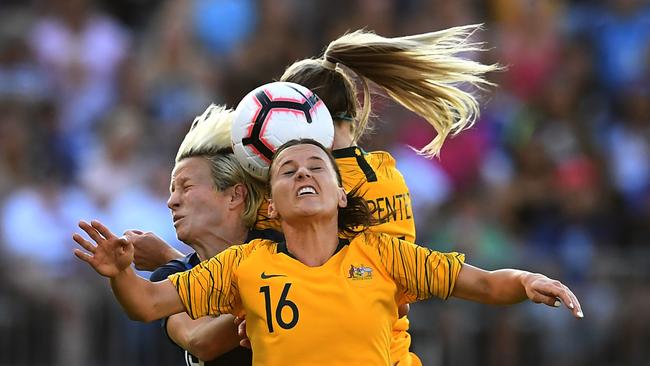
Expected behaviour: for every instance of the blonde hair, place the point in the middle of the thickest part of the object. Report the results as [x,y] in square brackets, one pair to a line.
[209,138]
[423,72]
[209,132]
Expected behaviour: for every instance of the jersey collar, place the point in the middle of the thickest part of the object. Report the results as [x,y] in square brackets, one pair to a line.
[282,247]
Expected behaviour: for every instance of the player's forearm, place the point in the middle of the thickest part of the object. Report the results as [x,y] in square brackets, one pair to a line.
[506,286]
[501,287]
[206,338]
[161,257]
[178,329]
[143,300]
[509,286]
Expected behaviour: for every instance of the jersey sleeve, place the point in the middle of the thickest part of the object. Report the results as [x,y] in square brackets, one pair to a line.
[210,288]
[420,272]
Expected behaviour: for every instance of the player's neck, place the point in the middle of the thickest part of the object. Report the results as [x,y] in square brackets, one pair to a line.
[218,239]
[342,136]
[312,243]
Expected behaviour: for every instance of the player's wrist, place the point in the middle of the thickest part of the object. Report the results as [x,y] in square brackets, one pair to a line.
[123,274]
[171,253]
[528,279]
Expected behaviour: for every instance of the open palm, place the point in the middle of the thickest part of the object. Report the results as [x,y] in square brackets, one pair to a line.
[110,256]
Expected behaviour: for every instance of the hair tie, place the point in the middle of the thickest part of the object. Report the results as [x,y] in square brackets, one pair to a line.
[344,116]
[329,64]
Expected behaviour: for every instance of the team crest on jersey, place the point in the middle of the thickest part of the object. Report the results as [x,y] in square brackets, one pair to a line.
[360,273]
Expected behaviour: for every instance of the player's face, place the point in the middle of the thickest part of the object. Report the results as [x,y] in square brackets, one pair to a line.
[304,184]
[194,201]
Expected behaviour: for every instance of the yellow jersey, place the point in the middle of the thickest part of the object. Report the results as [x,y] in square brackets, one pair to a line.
[340,313]
[379,182]
[385,190]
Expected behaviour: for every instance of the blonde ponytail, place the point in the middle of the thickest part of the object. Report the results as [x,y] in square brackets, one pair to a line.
[423,72]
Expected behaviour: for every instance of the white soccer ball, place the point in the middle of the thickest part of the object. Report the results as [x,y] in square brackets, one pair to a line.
[272,115]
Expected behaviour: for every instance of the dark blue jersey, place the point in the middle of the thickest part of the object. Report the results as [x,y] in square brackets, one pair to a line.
[239,355]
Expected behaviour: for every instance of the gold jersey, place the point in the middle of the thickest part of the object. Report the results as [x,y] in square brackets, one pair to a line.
[379,182]
[385,190]
[340,313]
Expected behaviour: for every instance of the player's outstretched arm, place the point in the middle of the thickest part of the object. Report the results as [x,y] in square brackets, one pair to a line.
[510,286]
[112,257]
[150,251]
[206,338]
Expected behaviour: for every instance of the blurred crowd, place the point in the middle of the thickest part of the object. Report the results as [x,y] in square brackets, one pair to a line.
[95,97]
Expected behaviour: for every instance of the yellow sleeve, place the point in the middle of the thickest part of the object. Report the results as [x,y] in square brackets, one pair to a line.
[210,288]
[420,272]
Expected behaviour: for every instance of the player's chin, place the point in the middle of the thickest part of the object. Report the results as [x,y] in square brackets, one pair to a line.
[299,213]
[311,210]
[182,234]
[309,205]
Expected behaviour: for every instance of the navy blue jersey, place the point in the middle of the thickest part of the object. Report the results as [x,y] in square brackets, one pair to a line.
[239,355]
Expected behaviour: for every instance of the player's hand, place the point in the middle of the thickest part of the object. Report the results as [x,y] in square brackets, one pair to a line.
[110,256]
[241,330]
[541,289]
[151,251]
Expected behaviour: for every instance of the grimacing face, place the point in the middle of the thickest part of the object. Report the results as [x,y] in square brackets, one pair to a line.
[304,184]
[194,201]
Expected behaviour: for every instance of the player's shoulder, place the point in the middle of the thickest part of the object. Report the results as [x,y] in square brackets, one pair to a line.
[258,244]
[357,152]
[382,161]
[352,159]
[240,253]
[251,252]
[372,239]
[383,155]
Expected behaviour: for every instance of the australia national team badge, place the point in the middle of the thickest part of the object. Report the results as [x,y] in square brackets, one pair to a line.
[360,273]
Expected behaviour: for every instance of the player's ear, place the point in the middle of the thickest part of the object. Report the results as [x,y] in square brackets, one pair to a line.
[238,194]
[273,213]
[343,198]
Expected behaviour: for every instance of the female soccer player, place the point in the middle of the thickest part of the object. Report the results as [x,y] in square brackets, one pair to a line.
[423,74]
[313,298]
[214,204]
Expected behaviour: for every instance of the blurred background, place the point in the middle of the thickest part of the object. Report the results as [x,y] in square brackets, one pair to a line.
[95,97]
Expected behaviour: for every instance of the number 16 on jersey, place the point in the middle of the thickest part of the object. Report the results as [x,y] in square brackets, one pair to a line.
[276,309]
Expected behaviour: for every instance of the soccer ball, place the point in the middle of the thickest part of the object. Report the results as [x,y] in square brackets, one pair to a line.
[272,115]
